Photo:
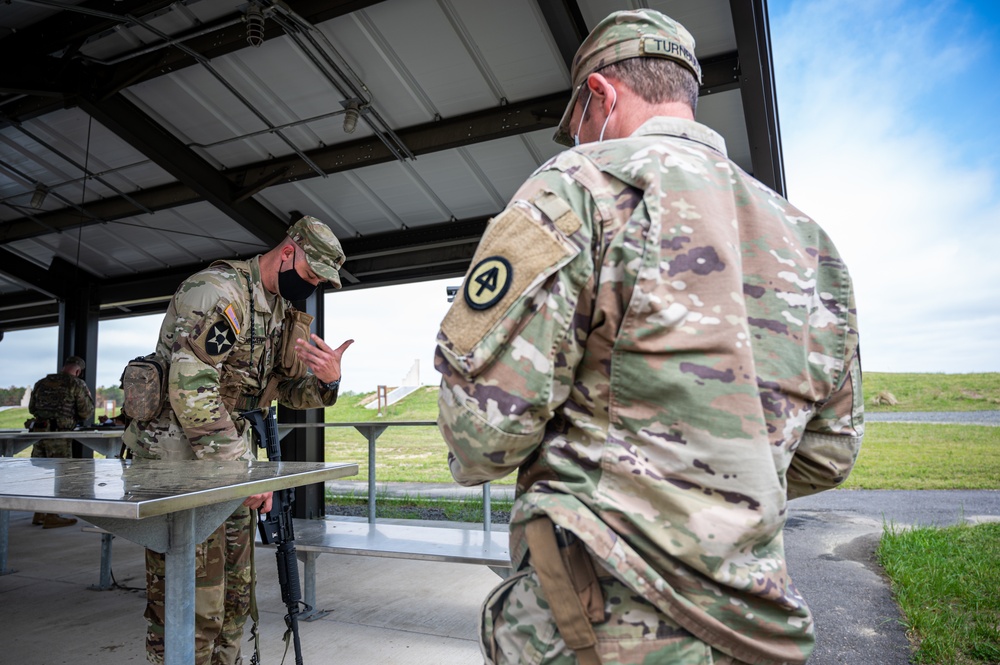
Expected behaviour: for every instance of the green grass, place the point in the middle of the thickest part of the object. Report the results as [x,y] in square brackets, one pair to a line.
[947,582]
[934,392]
[403,454]
[904,456]
[466,509]
[13,418]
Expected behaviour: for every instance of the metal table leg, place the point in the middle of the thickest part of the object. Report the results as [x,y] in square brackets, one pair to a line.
[4,541]
[178,648]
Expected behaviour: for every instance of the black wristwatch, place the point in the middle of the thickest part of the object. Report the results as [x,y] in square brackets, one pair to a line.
[332,386]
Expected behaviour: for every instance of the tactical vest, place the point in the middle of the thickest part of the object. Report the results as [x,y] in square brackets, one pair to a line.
[52,400]
[277,354]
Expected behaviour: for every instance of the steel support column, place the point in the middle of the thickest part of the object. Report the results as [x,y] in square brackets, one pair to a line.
[78,318]
[753,42]
[307,445]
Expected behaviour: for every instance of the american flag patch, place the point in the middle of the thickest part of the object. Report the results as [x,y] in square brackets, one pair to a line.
[231,315]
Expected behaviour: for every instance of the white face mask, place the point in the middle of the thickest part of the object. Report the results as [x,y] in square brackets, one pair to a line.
[576,137]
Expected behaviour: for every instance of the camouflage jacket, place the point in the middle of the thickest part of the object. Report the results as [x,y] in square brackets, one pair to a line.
[206,340]
[666,350]
[62,400]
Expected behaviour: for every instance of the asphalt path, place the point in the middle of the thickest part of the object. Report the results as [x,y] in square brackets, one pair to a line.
[991,418]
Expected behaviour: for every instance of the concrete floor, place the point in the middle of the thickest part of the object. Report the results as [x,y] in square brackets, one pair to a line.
[382,611]
[387,611]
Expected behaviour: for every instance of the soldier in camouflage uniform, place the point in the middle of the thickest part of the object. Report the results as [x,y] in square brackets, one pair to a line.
[58,402]
[666,350]
[226,341]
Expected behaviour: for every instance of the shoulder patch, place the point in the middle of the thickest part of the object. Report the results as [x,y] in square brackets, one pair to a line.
[515,253]
[219,338]
[488,282]
[231,315]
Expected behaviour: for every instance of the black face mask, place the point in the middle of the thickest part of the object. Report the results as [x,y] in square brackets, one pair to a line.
[291,285]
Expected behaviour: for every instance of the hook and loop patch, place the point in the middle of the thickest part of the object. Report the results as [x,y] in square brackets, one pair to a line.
[488,282]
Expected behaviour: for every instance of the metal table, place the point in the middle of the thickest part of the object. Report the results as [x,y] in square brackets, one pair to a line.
[168,507]
[107,442]
[372,430]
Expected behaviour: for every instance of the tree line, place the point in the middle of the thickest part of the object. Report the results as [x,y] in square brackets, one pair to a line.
[12,396]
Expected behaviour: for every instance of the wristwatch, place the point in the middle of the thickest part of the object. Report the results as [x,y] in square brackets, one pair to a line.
[332,386]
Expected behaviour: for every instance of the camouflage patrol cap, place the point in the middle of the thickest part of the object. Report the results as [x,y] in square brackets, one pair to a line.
[322,249]
[75,360]
[643,33]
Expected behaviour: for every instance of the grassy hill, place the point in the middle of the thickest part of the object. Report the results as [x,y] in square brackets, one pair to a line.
[894,456]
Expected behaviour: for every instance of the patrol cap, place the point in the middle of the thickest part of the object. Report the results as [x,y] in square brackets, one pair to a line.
[322,249]
[75,360]
[642,33]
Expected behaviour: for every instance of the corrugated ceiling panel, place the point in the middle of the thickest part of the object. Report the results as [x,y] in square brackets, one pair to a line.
[182,236]
[183,17]
[53,150]
[333,199]
[396,94]
[514,41]
[434,55]
[457,185]
[507,163]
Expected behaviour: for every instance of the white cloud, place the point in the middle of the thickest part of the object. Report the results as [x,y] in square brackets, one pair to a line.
[869,155]
[392,327]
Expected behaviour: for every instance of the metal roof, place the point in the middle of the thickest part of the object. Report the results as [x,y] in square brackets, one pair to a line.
[141,139]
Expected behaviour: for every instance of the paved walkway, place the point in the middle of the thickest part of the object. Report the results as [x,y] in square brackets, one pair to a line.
[991,418]
[830,542]
[391,611]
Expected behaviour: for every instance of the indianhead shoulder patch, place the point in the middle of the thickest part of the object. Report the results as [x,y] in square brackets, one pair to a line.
[488,282]
[220,338]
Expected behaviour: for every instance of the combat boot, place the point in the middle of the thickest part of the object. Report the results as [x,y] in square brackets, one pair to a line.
[38,518]
[53,521]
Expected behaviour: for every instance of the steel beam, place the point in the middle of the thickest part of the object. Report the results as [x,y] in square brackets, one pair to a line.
[566,24]
[499,122]
[49,282]
[68,27]
[139,130]
[760,106]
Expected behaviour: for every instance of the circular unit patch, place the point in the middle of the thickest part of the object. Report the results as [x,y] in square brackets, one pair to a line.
[488,282]
[220,339]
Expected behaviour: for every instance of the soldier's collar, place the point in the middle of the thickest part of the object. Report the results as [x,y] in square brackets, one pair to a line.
[262,298]
[685,129]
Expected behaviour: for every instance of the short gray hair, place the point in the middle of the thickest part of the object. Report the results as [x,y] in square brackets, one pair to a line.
[656,80]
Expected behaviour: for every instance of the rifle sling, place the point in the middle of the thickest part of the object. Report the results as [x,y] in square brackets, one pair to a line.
[564,601]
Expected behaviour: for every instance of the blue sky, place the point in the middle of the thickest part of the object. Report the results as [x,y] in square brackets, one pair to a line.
[888,124]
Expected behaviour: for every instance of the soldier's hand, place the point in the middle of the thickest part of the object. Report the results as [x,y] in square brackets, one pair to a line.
[320,358]
[260,502]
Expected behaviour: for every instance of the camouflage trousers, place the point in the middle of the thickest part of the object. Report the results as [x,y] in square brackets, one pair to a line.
[52,448]
[517,628]
[223,578]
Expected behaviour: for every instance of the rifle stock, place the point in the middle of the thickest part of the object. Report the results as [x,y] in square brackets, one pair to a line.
[276,529]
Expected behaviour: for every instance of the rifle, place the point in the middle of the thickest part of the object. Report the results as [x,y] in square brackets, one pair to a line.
[276,529]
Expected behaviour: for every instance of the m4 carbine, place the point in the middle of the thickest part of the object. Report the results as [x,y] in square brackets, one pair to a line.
[276,529]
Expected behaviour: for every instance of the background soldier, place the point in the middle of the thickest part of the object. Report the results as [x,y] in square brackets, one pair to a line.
[666,350]
[230,341]
[58,403]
